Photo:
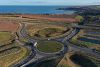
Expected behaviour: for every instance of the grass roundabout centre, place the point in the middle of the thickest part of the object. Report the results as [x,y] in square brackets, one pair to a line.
[49,46]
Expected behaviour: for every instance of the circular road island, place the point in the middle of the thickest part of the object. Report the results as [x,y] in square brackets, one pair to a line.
[49,46]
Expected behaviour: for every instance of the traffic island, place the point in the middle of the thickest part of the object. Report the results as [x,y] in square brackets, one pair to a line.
[49,46]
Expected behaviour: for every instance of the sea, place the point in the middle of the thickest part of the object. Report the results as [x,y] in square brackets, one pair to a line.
[34,9]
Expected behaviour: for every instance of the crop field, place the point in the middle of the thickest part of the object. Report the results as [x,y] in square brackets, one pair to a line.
[49,32]
[6,37]
[49,46]
[11,54]
[19,19]
[38,18]
[58,18]
[14,19]
[87,39]
[46,31]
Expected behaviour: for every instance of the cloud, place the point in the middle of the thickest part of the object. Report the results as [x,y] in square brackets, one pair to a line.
[95,3]
[49,2]
[27,2]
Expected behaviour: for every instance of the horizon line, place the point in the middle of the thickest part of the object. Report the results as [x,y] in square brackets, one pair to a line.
[54,5]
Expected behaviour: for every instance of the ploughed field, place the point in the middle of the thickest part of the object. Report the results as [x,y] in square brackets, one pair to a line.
[51,18]
[57,18]
[8,26]
[88,38]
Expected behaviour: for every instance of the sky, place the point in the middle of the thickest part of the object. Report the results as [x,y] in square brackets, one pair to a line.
[49,2]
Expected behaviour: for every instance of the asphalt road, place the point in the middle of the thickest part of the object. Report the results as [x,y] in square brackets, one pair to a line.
[84,50]
[86,27]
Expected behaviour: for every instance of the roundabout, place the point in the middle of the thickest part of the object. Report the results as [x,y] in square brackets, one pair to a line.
[49,47]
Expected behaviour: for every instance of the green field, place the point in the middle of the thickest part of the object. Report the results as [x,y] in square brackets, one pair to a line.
[6,37]
[80,18]
[49,46]
[50,32]
[11,54]
[46,31]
